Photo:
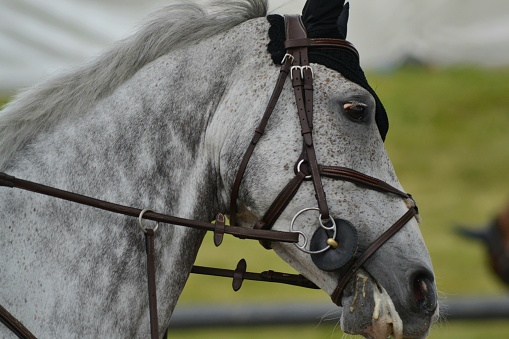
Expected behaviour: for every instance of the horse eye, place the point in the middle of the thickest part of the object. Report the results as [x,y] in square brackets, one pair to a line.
[355,110]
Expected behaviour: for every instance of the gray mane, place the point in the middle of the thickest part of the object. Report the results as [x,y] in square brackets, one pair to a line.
[73,93]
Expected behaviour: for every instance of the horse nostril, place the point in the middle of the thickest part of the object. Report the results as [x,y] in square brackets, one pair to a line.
[424,293]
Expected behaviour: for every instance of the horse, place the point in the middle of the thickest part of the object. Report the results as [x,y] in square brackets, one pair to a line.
[161,121]
[495,238]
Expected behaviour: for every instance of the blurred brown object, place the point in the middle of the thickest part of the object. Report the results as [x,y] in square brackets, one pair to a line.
[495,237]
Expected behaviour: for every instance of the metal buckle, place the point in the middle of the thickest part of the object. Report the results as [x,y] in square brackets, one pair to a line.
[302,69]
[288,56]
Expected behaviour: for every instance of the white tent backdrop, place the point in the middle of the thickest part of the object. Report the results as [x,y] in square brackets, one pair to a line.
[37,38]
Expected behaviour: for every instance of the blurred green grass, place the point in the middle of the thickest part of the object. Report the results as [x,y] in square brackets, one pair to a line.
[454,330]
[449,143]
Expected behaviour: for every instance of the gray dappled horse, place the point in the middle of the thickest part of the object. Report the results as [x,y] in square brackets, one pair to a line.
[162,121]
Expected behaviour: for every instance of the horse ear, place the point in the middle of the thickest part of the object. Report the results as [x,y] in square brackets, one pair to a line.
[343,19]
[321,18]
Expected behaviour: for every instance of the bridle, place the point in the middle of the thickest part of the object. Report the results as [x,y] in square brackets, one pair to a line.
[295,64]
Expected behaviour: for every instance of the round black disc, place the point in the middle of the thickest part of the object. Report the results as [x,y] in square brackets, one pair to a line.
[334,258]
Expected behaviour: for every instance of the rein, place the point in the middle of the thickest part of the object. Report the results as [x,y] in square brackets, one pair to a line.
[219,228]
[295,64]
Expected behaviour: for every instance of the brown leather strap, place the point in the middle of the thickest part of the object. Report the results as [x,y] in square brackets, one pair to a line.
[310,152]
[219,229]
[151,275]
[338,292]
[294,27]
[239,232]
[12,182]
[240,274]
[308,95]
[14,325]
[322,42]
[356,177]
[302,82]
[283,74]
[278,206]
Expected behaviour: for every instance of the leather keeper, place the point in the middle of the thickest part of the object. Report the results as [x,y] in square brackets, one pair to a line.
[238,275]
[219,230]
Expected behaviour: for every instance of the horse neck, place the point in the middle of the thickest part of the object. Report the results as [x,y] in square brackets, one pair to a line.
[194,126]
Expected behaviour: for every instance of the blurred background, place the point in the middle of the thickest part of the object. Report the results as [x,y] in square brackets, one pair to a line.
[441,68]
[39,37]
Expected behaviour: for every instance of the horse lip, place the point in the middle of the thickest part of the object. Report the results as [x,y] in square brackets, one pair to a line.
[389,333]
[381,319]
[359,304]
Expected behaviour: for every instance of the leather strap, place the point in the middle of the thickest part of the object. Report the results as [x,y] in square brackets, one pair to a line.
[302,82]
[151,275]
[323,43]
[259,131]
[338,292]
[219,229]
[347,174]
[240,274]
[14,325]
[309,146]
[278,206]
[239,232]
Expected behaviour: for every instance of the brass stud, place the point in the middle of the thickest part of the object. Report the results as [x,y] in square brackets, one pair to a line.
[332,243]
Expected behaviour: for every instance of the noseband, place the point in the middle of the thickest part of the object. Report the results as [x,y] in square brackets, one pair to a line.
[296,64]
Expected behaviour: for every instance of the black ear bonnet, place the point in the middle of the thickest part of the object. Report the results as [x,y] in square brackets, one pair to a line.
[320,24]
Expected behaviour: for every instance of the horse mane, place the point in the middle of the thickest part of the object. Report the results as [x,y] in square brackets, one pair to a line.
[72,93]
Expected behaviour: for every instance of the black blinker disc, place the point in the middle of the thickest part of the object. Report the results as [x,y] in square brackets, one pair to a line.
[334,258]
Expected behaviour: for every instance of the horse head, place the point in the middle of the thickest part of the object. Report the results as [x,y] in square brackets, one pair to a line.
[390,291]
